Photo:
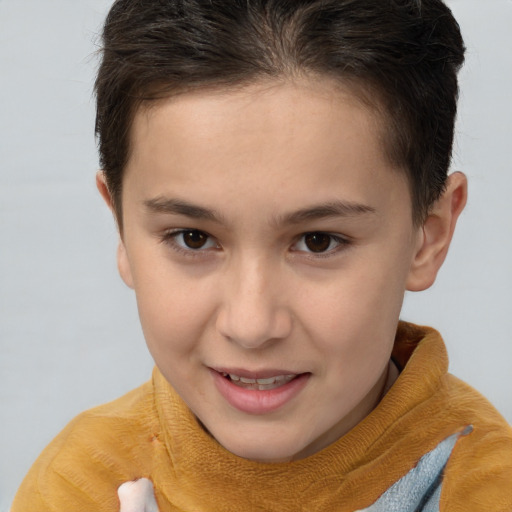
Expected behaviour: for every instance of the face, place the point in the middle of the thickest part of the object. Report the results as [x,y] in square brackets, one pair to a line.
[269,243]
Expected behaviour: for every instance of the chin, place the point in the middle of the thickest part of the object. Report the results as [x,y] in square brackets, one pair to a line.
[265,456]
[267,450]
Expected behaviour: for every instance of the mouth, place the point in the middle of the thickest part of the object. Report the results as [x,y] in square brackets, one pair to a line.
[259,384]
[261,392]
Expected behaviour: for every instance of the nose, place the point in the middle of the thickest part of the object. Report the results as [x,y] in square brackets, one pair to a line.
[254,312]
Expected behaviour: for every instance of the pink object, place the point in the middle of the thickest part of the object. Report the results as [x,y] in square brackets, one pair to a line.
[137,496]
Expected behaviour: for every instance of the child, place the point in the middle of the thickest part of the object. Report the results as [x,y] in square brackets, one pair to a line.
[278,173]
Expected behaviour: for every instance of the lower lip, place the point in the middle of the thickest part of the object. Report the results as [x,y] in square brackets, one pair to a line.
[253,401]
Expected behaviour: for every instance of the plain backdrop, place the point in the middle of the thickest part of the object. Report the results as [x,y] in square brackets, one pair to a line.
[69,333]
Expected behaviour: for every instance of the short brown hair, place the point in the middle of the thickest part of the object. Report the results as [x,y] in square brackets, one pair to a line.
[408,52]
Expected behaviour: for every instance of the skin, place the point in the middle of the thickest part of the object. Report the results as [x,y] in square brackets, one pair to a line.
[254,170]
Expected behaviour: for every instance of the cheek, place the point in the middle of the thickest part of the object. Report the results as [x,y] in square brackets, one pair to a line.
[363,301]
[172,318]
[354,316]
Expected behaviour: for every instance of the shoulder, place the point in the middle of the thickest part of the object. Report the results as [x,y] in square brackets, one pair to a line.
[99,449]
[479,472]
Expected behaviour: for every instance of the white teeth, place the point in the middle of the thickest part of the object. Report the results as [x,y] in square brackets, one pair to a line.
[267,381]
[260,384]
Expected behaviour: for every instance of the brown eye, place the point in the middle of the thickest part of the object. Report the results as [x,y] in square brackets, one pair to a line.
[194,239]
[317,242]
[190,241]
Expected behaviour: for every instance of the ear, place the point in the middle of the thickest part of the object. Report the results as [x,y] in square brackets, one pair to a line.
[101,185]
[123,263]
[436,234]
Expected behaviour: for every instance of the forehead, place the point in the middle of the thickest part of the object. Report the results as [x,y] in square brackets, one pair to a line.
[294,135]
[315,97]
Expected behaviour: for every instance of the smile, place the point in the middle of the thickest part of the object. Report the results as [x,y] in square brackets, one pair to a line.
[258,393]
[259,384]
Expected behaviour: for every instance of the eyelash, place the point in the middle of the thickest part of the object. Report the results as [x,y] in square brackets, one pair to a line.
[342,243]
[169,238]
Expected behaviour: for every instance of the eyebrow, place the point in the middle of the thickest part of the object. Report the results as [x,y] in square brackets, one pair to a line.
[327,210]
[330,209]
[180,207]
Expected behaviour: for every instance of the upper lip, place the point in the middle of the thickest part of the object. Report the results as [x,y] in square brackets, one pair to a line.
[266,373]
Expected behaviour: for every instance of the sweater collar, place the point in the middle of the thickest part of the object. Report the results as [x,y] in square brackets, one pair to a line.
[202,466]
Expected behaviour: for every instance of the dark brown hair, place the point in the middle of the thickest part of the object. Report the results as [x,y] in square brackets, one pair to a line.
[406,52]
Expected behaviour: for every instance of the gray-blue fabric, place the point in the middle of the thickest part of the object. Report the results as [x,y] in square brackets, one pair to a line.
[420,489]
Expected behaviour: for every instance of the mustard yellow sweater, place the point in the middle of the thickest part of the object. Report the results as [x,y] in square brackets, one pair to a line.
[150,433]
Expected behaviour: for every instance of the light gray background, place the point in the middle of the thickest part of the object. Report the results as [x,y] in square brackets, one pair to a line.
[69,335]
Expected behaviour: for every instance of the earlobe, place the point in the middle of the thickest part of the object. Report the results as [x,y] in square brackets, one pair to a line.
[436,235]
[123,264]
